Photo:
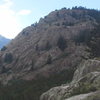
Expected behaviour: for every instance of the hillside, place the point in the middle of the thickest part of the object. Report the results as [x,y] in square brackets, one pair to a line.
[3,41]
[47,53]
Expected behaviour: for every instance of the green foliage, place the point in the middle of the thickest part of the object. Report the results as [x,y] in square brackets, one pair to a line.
[67,24]
[8,58]
[57,24]
[90,12]
[37,47]
[94,43]
[3,48]
[32,65]
[83,37]
[95,14]
[49,60]
[91,39]
[95,47]
[48,46]
[31,90]
[62,43]
[83,88]
[64,55]
[25,33]
[35,24]
[78,8]
[95,96]
[4,70]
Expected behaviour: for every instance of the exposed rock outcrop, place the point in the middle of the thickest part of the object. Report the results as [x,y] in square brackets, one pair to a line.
[86,68]
[86,80]
[81,96]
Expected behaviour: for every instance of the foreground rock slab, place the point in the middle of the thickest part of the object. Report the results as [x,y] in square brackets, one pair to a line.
[86,83]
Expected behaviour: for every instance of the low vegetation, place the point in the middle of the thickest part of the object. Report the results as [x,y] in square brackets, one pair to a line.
[49,59]
[31,90]
[96,96]
[3,48]
[8,58]
[62,43]
[84,88]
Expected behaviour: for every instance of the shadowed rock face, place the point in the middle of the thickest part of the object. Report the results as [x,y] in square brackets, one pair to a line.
[85,82]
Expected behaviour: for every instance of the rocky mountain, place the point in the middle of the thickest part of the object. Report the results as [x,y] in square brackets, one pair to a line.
[46,54]
[3,41]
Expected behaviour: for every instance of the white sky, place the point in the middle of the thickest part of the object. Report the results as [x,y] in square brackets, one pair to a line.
[17,14]
[10,24]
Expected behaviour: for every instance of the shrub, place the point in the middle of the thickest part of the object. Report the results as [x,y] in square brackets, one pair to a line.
[32,65]
[95,96]
[37,47]
[49,59]
[3,48]
[83,88]
[31,90]
[94,43]
[48,46]
[62,43]
[83,37]
[8,58]
[57,24]
[4,69]
[67,24]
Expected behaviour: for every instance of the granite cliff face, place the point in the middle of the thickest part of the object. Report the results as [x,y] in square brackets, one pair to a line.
[47,54]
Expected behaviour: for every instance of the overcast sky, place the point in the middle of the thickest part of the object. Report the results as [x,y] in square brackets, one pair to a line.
[17,14]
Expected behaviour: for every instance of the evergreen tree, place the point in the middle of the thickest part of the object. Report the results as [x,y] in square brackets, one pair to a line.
[62,44]
[49,59]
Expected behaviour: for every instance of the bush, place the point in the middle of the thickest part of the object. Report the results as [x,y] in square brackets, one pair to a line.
[83,37]
[31,90]
[83,88]
[3,70]
[48,46]
[95,96]
[8,58]
[37,47]
[62,43]
[94,43]
[49,59]
[3,48]
[57,24]
[67,24]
